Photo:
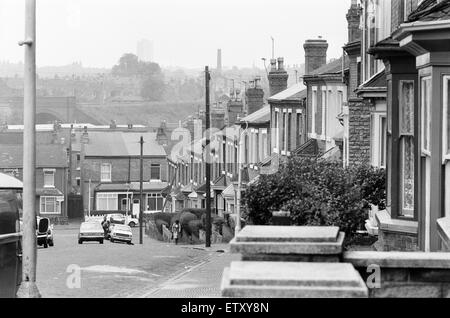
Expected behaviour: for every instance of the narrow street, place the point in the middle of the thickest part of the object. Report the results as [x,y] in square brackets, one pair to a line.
[112,269]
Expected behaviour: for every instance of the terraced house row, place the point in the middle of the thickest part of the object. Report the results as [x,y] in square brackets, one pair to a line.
[384,103]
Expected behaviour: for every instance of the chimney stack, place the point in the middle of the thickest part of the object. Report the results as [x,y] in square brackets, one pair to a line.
[278,77]
[354,20]
[315,54]
[219,61]
[255,96]
[85,136]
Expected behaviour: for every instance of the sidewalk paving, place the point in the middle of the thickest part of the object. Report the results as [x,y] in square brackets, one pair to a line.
[200,281]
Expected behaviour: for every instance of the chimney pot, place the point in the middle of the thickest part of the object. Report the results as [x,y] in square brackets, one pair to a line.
[280,64]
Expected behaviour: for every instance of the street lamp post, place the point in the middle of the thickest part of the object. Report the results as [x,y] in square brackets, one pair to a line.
[28,287]
[241,160]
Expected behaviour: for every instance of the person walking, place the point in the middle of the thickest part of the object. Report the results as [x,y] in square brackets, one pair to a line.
[176,230]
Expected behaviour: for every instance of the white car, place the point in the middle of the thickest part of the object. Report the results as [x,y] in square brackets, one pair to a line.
[121,233]
[91,231]
[132,221]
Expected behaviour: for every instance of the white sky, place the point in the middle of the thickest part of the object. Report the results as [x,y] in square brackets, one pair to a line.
[184,32]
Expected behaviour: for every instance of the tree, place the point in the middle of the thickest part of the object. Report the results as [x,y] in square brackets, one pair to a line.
[150,75]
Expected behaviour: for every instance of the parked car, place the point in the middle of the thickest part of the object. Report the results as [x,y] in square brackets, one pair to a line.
[132,221]
[10,236]
[116,218]
[44,232]
[121,233]
[91,231]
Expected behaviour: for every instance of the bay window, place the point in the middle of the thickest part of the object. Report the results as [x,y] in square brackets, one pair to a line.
[324,111]
[50,205]
[107,202]
[425,102]
[154,202]
[406,117]
[314,111]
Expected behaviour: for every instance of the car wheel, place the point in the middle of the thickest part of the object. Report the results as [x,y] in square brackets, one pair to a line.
[132,224]
[112,240]
[51,243]
[101,241]
[45,245]
[80,242]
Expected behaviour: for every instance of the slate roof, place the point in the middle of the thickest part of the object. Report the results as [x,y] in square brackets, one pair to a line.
[295,93]
[431,10]
[376,81]
[122,144]
[260,116]
[333,67]
[47,156]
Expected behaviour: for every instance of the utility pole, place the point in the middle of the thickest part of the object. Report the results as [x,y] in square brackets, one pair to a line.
[208,165]
[141,185]
[28,287]
[240,163]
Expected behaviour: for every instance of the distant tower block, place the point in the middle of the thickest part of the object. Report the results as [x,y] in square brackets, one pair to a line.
[145,51]
[219,60]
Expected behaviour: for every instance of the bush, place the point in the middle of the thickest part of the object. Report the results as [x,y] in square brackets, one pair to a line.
[198,212]
[166,217]
[159,225]
[317,193]
[193,228]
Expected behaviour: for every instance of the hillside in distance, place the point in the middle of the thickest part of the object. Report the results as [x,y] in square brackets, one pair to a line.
[141,113]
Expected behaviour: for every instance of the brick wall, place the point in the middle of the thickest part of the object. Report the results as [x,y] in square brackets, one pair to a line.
[255,99]
[353,76]
[393,241]
[359,131]
[120,168]
[315,54]
[278,81]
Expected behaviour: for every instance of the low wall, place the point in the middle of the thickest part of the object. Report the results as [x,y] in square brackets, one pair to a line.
[266,269]
[403,274]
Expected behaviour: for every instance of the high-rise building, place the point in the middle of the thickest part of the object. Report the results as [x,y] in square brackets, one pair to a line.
[145,50]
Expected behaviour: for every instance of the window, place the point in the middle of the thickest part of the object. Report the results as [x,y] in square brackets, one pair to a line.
[50,205]
[107,202]
[298,130]
[425,103]
[283,131]
[407,148]
[49,178]
[105,172]
[340,97]
[289,134]
[324,110]
[154,202]
[78,182]
[155,172]
[446,118]
[383,141]
[277,131]
[314,110]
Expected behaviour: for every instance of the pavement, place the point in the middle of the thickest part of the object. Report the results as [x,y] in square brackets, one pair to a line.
[201,281]
[154,269]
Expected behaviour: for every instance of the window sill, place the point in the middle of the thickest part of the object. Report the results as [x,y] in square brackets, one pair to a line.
[386,223]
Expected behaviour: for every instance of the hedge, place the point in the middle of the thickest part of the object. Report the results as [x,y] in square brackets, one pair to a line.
[317,193]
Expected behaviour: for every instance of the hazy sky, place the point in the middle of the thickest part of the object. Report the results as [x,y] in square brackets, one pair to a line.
[185,32]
